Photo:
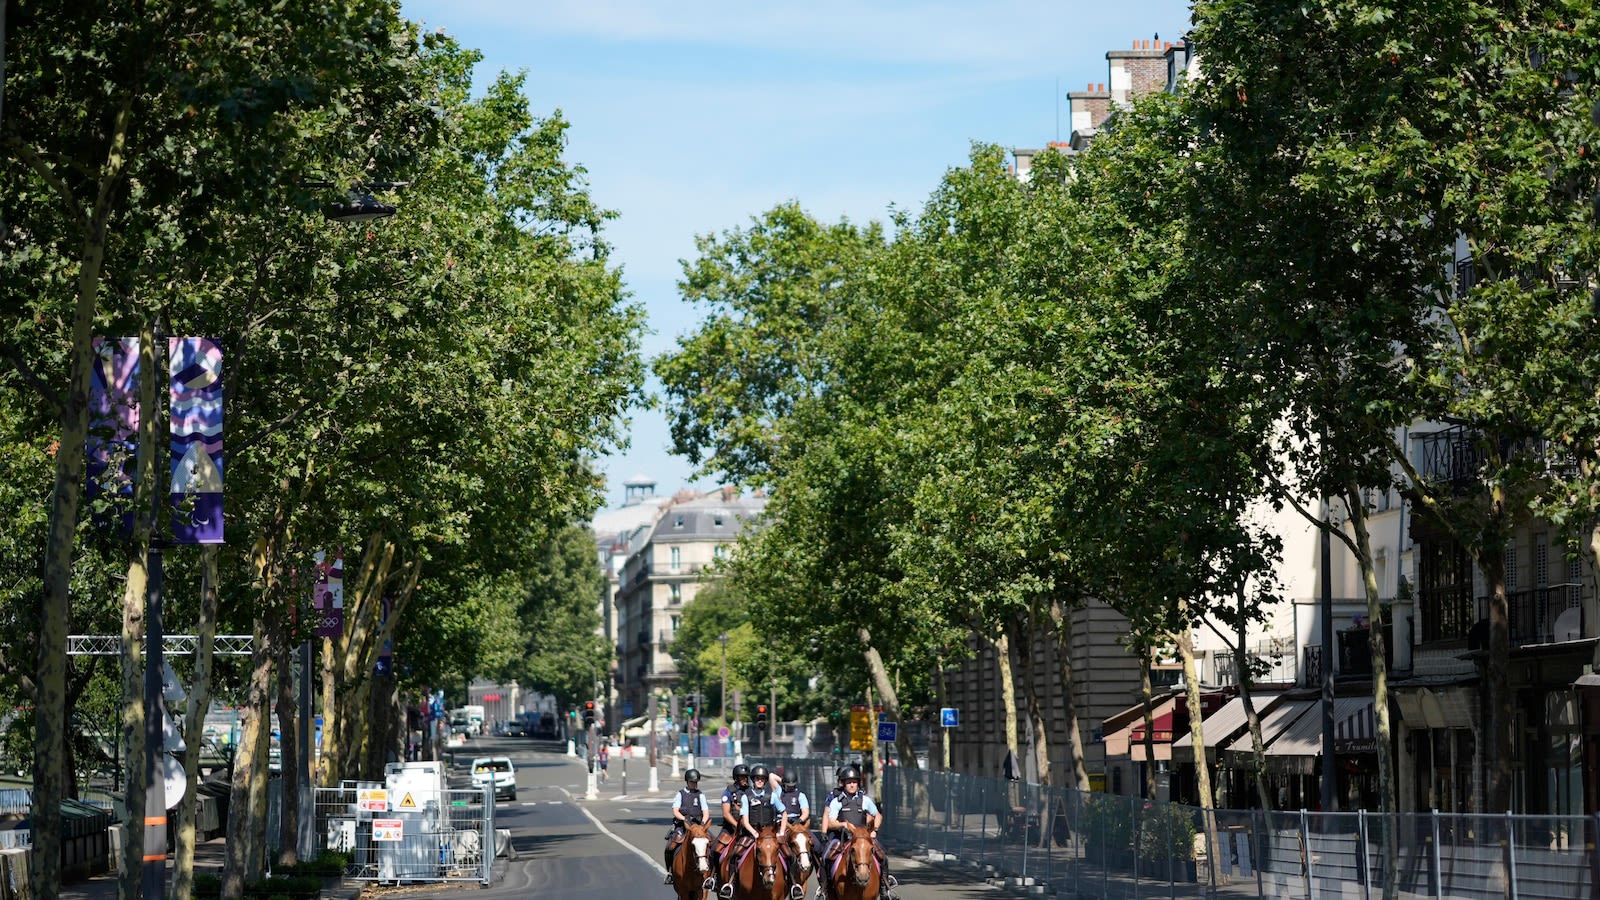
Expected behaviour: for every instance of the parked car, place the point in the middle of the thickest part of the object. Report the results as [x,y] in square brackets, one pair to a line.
[516,728]
[499,771]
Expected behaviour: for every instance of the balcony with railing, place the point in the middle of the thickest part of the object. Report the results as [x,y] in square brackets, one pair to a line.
[1352,656]
[1266,667]
[1547,615]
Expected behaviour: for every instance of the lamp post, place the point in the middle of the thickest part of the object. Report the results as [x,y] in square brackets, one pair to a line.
[723,639]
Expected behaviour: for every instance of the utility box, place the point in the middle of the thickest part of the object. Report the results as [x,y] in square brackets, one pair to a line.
[416,794]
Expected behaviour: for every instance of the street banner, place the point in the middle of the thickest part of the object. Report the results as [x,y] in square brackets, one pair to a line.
[113,442]
[328,595]
[195,366]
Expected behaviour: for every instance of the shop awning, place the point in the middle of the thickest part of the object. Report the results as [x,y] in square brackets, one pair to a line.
[1122,742]
[1223,726]
[1300,745]
[1274,723]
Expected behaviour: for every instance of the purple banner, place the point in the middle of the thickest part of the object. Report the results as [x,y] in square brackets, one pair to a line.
[113,442]
[196,370]
[328,595]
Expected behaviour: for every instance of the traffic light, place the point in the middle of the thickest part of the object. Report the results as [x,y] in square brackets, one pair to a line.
[761,715]
[690,705]
[588,713]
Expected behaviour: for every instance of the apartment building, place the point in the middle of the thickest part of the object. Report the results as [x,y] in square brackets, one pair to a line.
[662,567]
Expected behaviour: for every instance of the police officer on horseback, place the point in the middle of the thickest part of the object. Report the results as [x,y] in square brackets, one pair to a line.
[854,808]
[732,800]
[688,806]
[762,806]
[796,808]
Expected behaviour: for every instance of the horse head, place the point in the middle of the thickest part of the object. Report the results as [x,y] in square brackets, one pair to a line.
[860,856]
[801,838]
[767,857]
[699,837]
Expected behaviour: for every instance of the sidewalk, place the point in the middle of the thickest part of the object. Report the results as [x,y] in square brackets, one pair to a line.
[208,857]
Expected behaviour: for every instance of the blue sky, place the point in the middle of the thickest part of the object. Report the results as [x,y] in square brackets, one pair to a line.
[694,115]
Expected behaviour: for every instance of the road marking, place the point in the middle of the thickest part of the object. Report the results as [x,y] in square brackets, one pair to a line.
[636,851]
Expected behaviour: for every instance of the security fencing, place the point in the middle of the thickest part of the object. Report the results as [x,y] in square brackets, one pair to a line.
[409,836]
[1085,844]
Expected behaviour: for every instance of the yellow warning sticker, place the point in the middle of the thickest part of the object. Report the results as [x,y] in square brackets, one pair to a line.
[407,802]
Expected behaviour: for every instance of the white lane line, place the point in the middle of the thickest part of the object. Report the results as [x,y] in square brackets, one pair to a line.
[636,851]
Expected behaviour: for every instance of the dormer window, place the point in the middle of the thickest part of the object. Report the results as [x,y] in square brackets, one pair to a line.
[677,521]
[717,520]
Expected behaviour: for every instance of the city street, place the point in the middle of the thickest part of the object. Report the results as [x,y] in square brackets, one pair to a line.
[610,847]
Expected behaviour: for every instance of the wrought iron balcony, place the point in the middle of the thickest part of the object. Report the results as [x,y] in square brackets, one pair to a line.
[1547,615]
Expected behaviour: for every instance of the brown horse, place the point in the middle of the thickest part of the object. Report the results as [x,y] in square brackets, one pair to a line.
[803,858]
[691,863]
[758,874]
[857,876]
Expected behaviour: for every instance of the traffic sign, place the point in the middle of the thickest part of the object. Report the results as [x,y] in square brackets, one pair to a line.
[949,717]
[722,732]
[860,729]
[886,732]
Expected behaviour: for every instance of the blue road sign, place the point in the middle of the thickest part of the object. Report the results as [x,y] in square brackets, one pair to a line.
[949,717]
[886,732]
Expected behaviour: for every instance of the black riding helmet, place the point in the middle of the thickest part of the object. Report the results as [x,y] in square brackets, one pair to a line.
[760,771]
[692,776]
[850,773]
[790,781]
[741,771]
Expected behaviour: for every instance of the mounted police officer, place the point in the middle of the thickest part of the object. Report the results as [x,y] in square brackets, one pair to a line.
[797,810]
[762,806]
[688,806]
[732,800]
[856,809]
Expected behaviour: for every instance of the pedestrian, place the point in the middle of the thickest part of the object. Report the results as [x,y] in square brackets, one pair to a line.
[605,757]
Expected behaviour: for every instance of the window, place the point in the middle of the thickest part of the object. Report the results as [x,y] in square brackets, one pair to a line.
[1511,567]
[716,520]
[677,558]
[676,594]
[676,621]
[720,551]
[1444,590]
[677,521]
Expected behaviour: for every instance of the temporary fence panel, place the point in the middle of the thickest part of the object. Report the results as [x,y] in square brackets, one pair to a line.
[400,840]
[1120,846]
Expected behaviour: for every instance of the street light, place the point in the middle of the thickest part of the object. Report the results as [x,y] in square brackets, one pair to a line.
[723,639]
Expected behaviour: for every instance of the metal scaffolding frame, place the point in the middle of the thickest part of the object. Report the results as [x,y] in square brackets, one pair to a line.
[183,644]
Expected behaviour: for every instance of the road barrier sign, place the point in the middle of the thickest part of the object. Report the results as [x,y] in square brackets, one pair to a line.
[860,729]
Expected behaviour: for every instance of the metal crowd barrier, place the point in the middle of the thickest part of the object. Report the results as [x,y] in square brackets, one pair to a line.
[1070,842]
[409,837]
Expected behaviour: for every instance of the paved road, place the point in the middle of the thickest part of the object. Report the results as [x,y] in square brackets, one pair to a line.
[611,847]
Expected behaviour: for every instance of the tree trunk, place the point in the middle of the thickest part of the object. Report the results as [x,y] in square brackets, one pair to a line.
[260,777]
[918,791]
[289,753]
[1061,618]
[236,870]
[1008,695]
[943,684]
[1147,699]
[50,679]
[327,770]
[1377,640]
[1202,773]
[1258,748]
[1497,703]
[135,597]
[194,725]
[1022,644]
